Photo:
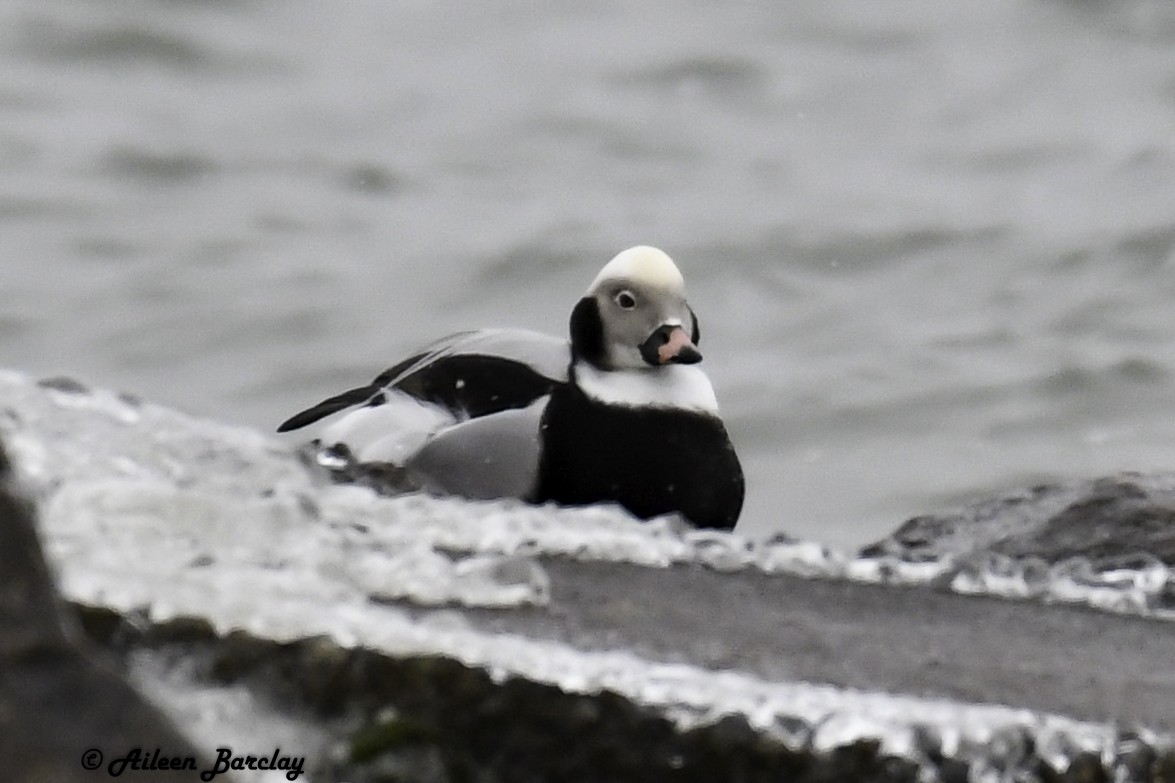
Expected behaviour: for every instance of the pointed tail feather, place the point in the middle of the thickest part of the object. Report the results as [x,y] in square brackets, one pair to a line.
[329,406]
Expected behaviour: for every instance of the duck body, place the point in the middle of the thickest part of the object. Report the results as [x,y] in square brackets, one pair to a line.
[651,460]
[619,413]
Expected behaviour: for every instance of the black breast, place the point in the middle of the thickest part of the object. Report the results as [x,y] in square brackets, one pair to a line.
[652,461]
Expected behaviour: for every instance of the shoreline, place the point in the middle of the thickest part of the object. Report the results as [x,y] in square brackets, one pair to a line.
[252,552]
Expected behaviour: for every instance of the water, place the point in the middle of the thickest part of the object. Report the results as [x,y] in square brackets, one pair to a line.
[930,245]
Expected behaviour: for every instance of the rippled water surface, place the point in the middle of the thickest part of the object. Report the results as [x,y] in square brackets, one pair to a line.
[931,245]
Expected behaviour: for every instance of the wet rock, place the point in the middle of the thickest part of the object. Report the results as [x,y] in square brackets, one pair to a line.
[1163,770]
[64,710]
[426,639]
[65,384]
[1109,517]
[1134,758]
[1086,768]
[1116,517]
[436,720]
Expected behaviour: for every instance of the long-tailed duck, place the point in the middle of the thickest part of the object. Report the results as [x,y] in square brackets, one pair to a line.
[621,413]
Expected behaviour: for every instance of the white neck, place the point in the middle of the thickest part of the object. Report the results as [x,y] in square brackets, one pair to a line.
[682,386]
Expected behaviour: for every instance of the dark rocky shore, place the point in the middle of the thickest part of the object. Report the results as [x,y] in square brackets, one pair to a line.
[61,700]
[1106,520]
[412,639]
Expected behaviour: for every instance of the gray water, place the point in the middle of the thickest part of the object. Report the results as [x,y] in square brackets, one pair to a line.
[931,244]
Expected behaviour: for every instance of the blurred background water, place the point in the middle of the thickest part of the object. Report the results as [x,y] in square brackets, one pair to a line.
[932,245]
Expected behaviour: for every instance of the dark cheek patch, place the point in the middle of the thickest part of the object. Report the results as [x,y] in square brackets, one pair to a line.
[587,331]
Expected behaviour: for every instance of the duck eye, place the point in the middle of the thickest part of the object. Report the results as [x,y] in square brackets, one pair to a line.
[625,300]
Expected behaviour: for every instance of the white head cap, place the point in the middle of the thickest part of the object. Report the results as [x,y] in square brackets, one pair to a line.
[642,264]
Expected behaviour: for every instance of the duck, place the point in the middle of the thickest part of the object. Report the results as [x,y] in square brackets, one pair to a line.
[619,411]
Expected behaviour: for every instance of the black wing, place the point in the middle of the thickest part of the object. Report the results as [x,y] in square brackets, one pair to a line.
[470,374]
[357,396]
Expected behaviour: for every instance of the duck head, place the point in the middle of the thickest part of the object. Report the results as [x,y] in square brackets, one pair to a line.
[634,315]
